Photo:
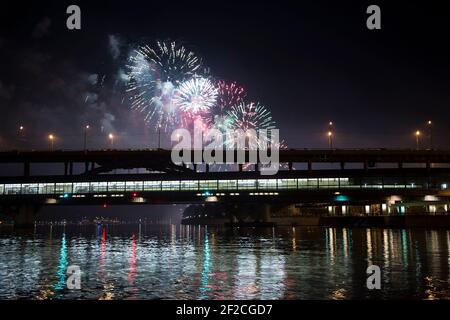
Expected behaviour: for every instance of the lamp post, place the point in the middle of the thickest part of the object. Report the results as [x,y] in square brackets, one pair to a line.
[159,136]
[330,139]
[86,128]
[330,134]
[430,132]
[51,139]
[417,134]
[21,132]
[111,139]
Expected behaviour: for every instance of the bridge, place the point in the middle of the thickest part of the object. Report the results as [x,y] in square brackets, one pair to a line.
[101,161]
[416,178]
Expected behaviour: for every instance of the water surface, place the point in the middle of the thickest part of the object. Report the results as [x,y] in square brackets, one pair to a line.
[193,262]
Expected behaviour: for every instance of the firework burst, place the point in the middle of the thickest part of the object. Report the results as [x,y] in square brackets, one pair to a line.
[154,74]
[250,116]
[196,95]
[229,94]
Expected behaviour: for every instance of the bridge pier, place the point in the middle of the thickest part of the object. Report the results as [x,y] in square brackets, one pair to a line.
[24,215]
[266,212]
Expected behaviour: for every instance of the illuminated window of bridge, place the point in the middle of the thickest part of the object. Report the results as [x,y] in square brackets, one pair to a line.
[352,183]
[302,183]
[287,183]
[208,184]
[116,186]
[170,185]
[97,187]
[328,182]
[343,182]
[46,188]
[267,184]
[394,182]
[415,183]
[63,188]
[133,186]
[81,187]
[371,182]
[307,183]
[31,188]
[248,184]
[152,185]
[189,185]
[12,188]
[227,184]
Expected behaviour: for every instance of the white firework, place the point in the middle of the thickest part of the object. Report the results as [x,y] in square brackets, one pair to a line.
[196,95]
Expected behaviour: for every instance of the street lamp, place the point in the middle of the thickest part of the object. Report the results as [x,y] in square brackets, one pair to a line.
[430,132]
[417,134]
[86,128]
[21,132]
[111,139]
[330,139]
[159,136]
[51,139]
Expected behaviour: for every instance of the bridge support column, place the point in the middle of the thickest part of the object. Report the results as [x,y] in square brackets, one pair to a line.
[342,165]
[240,167]
[366,165]
[86,166]
[309,166]
[26,169]
[400,165]
[266,213]
[290,166]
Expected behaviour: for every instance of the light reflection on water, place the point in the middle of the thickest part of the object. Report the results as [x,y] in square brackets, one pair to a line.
[193,262]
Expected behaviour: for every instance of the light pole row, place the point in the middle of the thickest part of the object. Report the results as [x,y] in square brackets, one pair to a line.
[417,135]
[52,137]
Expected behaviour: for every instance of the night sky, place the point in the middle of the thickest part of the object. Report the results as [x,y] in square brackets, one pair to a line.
[309,62]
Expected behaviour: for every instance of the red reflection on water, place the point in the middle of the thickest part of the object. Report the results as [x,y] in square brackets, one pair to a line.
[101,265]
[133,265]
